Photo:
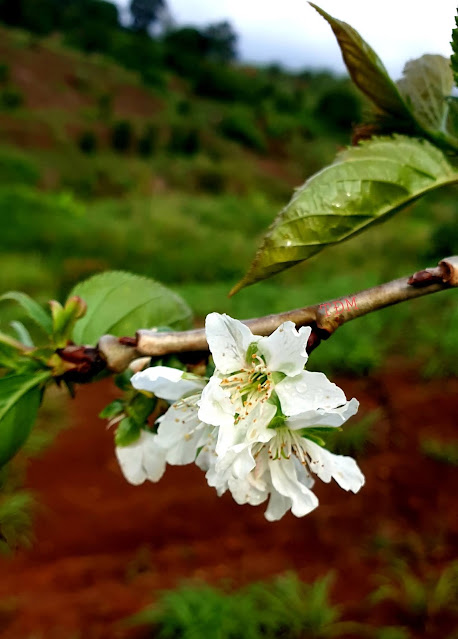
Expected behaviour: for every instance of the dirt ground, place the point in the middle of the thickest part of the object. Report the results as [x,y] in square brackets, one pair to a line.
[104,547]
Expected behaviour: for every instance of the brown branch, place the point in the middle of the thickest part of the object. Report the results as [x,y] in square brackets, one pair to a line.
[324,318]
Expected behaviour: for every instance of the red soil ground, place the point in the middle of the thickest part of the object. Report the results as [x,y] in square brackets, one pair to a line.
[103,547]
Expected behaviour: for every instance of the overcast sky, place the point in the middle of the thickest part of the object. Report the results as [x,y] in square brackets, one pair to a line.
[292,33]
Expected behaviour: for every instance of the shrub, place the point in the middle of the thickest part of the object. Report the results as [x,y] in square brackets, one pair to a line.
[88,142]
[148,141]
[4,73]
[11,98]
[105,106]
[17,168]
[339,108]
[241,127]
[122,136]
[184,138]
[285,608]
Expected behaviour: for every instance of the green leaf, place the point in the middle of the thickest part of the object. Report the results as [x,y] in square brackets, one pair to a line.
[366,184]
[20,397]
[33,310]
[22,333]
[120,303]
[367,70]
[127,432]
[454,58]
[426,86]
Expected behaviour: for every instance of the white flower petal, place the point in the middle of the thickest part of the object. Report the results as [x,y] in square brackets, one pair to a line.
[141,460]
[165,382]
[130,459]
[153,459]
[285,350]
[278,506]
[333,417]
[344,470]
[181,433]
[286,482]
[308,391]
[245,491]
[228,340]
[215,406]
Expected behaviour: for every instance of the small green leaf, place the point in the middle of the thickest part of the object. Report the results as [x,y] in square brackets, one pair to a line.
[33,310]
[426,86]
[120,303]
[367,70]
[127,432]
[112,410]
[20,397]
[366,184]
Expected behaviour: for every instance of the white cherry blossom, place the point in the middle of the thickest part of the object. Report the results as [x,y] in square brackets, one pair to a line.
[284,467]
[255,376]
[181,433]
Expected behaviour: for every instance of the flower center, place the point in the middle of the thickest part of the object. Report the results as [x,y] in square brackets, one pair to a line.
[249,387]
[286,442]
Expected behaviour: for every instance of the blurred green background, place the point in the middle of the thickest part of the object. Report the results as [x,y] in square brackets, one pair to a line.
[166,156]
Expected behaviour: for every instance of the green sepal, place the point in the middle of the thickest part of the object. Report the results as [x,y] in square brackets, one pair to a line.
[127,432]
[278,377]
[251,352]
[277,422]
[320,430]
[140,408]
[112,410]
[314,438]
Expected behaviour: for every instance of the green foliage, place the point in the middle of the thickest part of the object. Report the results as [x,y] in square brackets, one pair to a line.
[11,98]
[33,310]
[122,136]
[16,167]
[119,303]
[364,185]
[147,143]
[87,142]
[16,511]
[339,108]
[20,397]
[241,127]
[4,72]
[444,452]
[454,57]
[418,598]
[392,632]
[184,138]
[285,608]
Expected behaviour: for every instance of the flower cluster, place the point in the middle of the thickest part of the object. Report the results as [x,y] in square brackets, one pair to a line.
[254,426]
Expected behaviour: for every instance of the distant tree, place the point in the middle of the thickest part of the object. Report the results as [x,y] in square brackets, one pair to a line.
[221,41]
[145,13]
